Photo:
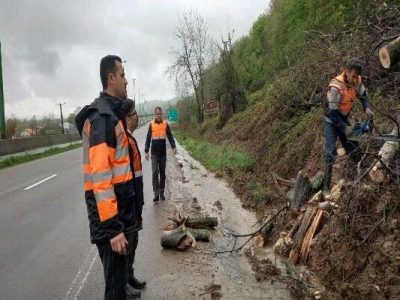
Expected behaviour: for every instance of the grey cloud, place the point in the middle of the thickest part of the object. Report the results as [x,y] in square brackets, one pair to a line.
[51,49]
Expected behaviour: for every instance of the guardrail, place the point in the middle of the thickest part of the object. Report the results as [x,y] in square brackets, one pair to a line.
[23,144]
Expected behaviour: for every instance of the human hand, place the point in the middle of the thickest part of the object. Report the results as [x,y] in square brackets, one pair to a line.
[174,151]
[146,156]
[119,244]
[348,130]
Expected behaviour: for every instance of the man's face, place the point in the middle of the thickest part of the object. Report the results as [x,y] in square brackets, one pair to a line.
[158,115]
[132,120]
[352,76]
[118,81]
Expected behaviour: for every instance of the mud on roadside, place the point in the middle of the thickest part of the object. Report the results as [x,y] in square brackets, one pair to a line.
[193,191]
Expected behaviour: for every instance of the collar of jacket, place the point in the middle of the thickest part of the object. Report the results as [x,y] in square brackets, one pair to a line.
[107,104]
[158,122]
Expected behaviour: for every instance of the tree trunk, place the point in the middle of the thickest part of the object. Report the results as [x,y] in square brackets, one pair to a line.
[301,232]
[387,153]
[200,234]
[302,191]
[390,54]
[201,222]
[170,239]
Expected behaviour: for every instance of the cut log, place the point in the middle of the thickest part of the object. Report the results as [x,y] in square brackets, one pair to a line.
[301,232]
[283,245]
[305,247]
[200,234]
[302,191]
[387,153]
[390,54]
[171,239]
[304,188]
[185,244]
[317,181]
[201,222]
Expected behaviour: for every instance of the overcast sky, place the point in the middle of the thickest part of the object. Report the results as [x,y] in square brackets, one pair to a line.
[51,49]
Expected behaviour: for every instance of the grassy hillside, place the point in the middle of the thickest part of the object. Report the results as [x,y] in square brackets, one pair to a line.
[284,66]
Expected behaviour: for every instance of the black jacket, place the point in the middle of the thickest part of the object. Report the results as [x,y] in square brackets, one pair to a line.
[101,125]
[158,147]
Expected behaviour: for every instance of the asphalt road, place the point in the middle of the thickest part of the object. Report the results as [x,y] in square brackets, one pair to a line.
[45,252]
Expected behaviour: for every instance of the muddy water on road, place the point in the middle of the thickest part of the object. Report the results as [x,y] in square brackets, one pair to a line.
[195,191]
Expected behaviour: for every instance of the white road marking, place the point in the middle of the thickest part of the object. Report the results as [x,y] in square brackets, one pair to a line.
[82,275]
[40,182]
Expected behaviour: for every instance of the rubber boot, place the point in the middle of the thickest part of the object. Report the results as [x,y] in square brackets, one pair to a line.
[327,181]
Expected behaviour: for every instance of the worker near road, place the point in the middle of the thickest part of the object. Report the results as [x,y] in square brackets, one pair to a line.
[132,121]
[157,134]
[342,92]
[108,181]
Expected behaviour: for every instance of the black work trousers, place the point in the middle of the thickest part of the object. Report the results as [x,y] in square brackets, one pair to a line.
[114,269]
[158,165]
[130,256]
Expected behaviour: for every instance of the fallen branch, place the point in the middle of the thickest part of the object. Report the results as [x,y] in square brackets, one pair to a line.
[285,182]
[372,230]
[251,235]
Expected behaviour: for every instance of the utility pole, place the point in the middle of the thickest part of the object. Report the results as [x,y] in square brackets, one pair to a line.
[62,119]
[2,114]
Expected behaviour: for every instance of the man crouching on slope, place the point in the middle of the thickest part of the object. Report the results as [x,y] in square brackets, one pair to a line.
[108,179]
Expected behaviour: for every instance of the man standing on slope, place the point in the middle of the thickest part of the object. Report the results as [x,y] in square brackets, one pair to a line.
[158,132]
[342,92]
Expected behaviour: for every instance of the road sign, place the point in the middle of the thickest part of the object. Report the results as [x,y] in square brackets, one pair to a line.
[211,107]
[173,115]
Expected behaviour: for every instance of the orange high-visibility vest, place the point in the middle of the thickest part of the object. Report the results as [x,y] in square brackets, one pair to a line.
[348,92]
[101,174]
[137,159]
[158,130]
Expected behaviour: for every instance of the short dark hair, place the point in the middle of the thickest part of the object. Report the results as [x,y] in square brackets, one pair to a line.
[107,66]
[158,107]
[354,64]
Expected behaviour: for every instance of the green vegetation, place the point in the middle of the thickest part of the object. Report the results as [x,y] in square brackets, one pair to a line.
[214,157]
[256,191]
[16,160]
[284,66]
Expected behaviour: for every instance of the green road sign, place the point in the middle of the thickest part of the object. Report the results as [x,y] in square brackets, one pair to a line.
[173,115]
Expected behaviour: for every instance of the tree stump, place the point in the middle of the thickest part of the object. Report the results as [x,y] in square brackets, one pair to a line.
[390,54]
[387,153]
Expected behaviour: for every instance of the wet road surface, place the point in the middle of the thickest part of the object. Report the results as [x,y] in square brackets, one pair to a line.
[45,252]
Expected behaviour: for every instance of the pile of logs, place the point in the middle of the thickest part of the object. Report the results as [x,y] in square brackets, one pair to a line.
[307,203]
[185,231]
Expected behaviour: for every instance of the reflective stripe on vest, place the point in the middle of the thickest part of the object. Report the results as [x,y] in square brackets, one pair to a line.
[103,179]
[158,130]
[137,160]
[347,92]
